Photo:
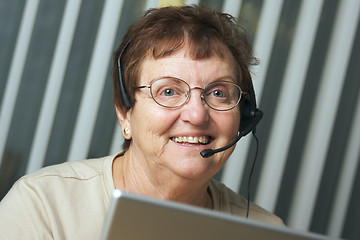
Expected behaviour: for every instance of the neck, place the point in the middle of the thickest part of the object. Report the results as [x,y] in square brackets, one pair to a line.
[130,176]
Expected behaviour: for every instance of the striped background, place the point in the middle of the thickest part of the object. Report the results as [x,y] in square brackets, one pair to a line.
[56,106]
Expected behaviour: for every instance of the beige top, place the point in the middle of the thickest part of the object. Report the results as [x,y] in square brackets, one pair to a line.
[70,201]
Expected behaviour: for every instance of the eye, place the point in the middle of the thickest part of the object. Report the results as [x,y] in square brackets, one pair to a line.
[168,92]
[217,91]
[218,94]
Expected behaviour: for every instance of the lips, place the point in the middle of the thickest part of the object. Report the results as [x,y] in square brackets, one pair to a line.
[191,139]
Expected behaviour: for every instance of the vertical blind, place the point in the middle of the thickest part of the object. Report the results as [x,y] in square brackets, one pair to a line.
[56,100]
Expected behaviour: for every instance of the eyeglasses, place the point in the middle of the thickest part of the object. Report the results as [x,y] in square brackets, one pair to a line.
[171,92]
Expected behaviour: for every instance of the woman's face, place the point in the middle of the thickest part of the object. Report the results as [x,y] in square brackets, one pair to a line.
[158,133]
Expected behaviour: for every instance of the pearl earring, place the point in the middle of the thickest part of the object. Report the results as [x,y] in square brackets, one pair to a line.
[126,132]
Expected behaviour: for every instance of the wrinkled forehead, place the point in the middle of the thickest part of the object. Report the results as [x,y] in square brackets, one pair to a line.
[195,72]
[193,50]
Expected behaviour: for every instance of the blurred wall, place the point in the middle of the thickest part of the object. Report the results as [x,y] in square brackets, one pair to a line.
[56,100]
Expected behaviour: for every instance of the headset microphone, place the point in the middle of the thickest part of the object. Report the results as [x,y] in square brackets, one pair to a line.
[251,127]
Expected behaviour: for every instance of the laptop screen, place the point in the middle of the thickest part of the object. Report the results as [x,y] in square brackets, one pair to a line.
[133,216]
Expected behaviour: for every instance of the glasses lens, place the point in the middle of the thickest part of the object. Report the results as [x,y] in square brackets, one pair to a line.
[169,92]
[222,95]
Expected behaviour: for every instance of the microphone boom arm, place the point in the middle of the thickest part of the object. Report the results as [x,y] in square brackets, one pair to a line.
[209,152]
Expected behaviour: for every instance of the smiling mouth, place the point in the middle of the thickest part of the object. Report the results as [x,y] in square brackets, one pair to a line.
[192,140]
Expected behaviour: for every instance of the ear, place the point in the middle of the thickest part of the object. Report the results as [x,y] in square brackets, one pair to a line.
[124,117]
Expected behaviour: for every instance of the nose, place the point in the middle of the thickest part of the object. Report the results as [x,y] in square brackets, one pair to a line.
[195,110]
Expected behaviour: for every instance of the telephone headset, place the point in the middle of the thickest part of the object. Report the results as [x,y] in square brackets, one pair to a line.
[250,117]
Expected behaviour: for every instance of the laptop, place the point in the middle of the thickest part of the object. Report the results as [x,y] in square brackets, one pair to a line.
[137,217]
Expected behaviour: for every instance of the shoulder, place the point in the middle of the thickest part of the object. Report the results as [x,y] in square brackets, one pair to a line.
[81,170]
[233,203]
[59,200]
[76,177]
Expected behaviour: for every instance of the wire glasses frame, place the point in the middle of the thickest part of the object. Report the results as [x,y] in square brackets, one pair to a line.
[171,92]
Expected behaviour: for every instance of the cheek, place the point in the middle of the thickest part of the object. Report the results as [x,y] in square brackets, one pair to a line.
[151,122]
[150,136]
[229,123]
[237,117]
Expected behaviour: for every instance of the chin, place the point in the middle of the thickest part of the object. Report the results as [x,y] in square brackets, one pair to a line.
[199,168]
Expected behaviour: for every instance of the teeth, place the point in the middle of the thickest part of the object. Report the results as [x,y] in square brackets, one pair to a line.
[203,139]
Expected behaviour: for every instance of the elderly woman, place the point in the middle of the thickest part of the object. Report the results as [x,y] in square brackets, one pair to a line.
[181,85]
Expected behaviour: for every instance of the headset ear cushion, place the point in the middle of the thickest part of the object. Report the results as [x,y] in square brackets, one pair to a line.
[251,123]
[250,116]
[246,114]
